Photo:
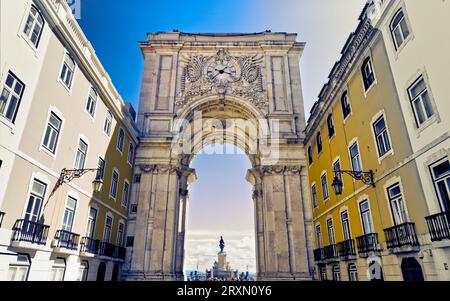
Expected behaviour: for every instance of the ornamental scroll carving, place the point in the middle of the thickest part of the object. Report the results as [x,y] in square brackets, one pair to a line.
[222,74]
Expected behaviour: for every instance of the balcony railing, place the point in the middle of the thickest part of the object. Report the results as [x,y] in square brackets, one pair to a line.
[28,231]
[89,245]
[318,254]
[2,214]
[367,243]
[346,248]
[106,249]
[120,253]
[401,235]
[66,240]
[330,252]
[439,226]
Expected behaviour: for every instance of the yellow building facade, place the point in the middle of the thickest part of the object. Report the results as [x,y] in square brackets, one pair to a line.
[374,229]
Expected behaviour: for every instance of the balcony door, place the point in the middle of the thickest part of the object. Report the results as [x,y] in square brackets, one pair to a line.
[345,226]
[441,178]
[35,201]
[91,223]
[107,232]
[397,205]
[330,226]
[319,237]
[69,214]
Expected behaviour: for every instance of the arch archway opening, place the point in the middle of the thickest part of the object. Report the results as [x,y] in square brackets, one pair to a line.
[220,205]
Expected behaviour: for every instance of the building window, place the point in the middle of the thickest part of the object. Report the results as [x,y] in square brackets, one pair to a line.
[133,208]
[345,104]
[83,271]
[337,169]
[441,178]
[91,102]
[101,168]
[324,182]
[330,228]
[81,154]
[314,196]
[420,101]
[323,273]
[108,123]
[52,133]
[11,97]
[130,157]
[381,136]
[345,225]
[399,29]
[336,273]
[34,26]
[367,73]
[67,71]
[352,272]
[120,232]
[397,204]
[137,178]
[91,222]
[58,270]
[114,184]
[69,214]
[107,230]
[319,237]
[319,143]
[330,125]
[18,271]
[130,241]
[125,193]
[310,155]
[35,201]
[120,140]
[355,158]
[366,217]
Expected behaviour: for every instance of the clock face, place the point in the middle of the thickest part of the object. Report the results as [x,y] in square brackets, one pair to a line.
[221,71]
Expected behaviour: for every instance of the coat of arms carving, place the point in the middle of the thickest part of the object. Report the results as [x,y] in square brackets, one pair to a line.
[222,74]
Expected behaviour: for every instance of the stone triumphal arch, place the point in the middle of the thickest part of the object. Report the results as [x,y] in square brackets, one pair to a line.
[243,89]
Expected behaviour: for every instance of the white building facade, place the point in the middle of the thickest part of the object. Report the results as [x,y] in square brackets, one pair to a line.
[416,35]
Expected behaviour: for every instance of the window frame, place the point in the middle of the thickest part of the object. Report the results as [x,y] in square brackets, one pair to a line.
[88,107]
[359,157]
[108,120]
[314,196]
[11,91]
[403,215]
[392,29]
[82,140]
[114,197]
[362,213]
[58,133]
[347,222]
[427,89]
[120,142]
[435,180]
[131,150]
[33,26]
[385,136]
[330,230]
[91,232]
[368,62]
[319,143]
[73,211]
[331,128]
[345,114]
[324,188]
[72,78]
[125,195]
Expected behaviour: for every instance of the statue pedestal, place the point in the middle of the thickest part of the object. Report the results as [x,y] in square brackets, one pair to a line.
[222,260]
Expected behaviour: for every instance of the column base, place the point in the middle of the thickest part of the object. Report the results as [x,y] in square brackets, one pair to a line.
[151,276]
[280,276]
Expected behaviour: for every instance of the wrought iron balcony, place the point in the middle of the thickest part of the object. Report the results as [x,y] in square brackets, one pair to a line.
[2,214]
[28,231]
[66,240]
[107,249]
[401,235]
[439,226]
[120,253]
[89,245]
[346,248]
[367,243]
[318,254]
[330,252]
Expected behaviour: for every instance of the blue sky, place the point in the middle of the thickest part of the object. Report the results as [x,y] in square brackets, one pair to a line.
[221,201]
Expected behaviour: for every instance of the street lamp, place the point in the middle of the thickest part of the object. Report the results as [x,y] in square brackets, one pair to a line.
[363,176]
[67,175]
